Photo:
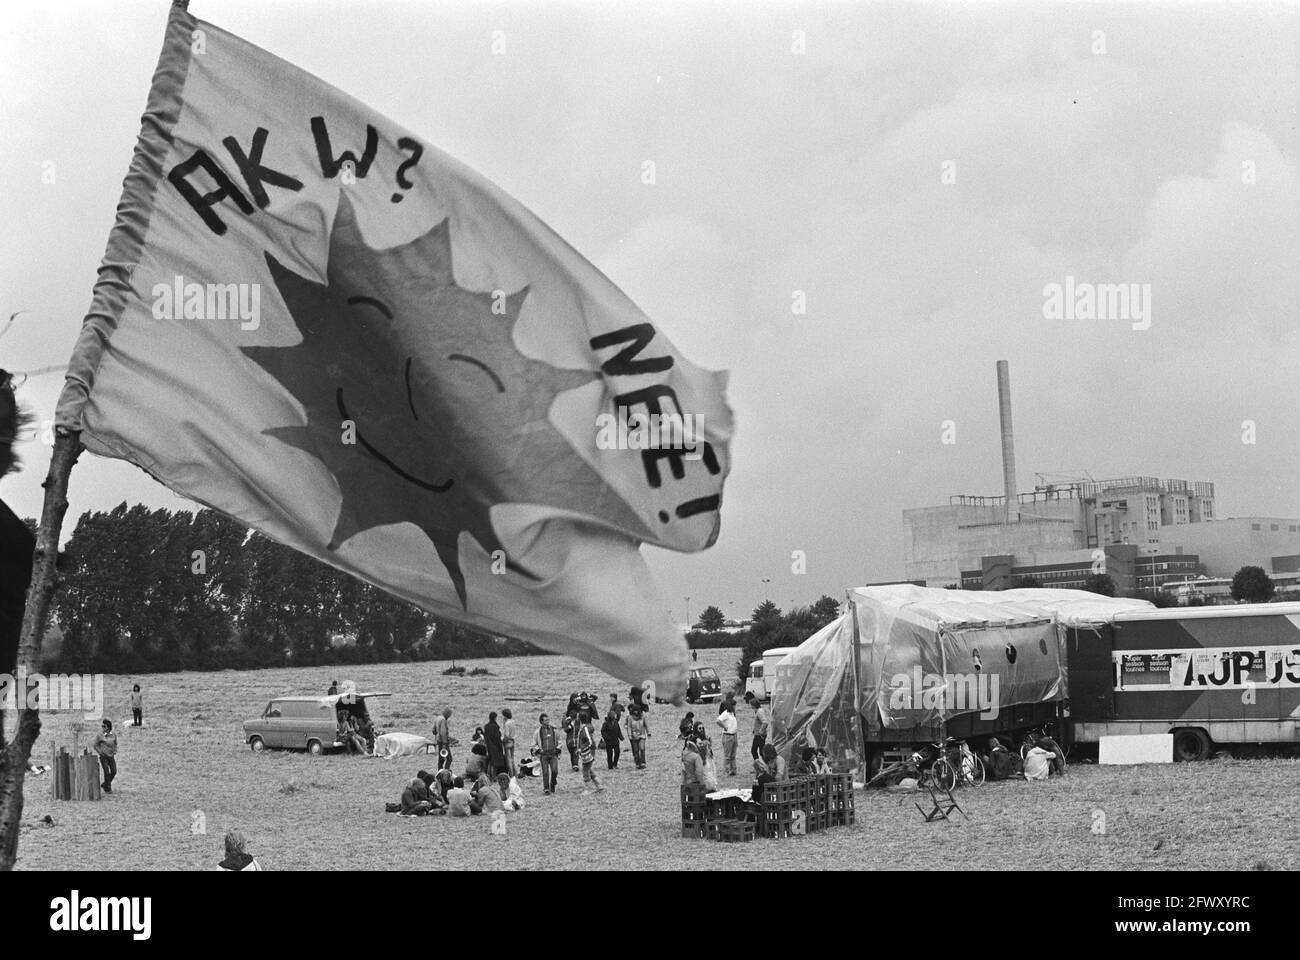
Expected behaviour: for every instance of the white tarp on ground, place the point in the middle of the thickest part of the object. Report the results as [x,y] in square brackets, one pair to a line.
[392,745]
[926,654]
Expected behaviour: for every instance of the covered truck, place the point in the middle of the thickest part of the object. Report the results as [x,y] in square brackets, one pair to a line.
[906,665]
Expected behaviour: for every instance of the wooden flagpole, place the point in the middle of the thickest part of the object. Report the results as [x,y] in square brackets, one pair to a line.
[14,756]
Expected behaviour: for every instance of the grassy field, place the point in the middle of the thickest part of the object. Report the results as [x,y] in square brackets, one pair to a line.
[186,777]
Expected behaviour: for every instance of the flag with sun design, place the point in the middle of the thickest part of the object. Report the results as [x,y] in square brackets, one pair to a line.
[319,324]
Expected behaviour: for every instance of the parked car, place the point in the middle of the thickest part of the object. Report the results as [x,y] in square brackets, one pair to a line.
[303,723]
[704,686]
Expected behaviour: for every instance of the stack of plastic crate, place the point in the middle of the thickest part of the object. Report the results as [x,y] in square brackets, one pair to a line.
[782,799]
[841,799]
[819,803]
[694,811]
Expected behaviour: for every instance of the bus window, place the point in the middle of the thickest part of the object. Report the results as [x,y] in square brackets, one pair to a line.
[756,669]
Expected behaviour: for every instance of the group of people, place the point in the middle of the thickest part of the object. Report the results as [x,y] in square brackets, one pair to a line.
[619,717]
[442,794]
[491,748]
[698,754]
[496,751]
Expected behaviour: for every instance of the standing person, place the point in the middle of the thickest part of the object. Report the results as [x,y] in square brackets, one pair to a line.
[611,732]
[730,726]
[692,766]
[570,724]
[687,726]
[508,739]
[587,751]
[106,746]
[728,704]
[442,735]
[705,747]
[546,744]
[615,708]
[638,729]
[760,726]
[495,746]
[137,707]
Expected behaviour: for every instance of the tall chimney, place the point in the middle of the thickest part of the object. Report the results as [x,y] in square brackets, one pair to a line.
[1008,442]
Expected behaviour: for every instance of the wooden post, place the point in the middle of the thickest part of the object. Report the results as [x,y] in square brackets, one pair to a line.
[14,756]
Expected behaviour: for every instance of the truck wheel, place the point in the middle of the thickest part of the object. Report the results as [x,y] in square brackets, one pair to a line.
[314,748]
[1191,744]
[257,745]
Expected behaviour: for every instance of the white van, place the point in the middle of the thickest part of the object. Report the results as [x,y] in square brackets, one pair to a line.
[762,672]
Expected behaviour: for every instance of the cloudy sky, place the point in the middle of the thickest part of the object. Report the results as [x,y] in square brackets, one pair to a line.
[918,172]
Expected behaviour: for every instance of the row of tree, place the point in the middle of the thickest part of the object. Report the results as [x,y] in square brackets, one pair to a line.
[154,590]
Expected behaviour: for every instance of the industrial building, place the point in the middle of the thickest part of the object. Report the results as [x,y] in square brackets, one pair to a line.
[1142,531]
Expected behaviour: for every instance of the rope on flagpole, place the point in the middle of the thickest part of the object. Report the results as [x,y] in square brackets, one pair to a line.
[14,756]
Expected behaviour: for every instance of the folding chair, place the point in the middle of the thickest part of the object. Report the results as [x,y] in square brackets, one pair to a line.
[944,804]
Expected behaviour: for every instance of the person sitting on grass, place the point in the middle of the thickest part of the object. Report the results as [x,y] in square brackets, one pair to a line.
[458,799]
[415,799]
[237,858]
[476,765]
[486,797]
[443,782]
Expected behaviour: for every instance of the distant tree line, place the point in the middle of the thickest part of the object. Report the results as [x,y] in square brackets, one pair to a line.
[768,628]
[154,590]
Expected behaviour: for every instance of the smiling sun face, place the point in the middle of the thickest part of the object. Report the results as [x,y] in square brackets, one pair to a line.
[448,416]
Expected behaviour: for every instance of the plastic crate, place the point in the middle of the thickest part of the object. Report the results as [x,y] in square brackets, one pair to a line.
[693,831]
[695,812]
[784,791]
[694,793]
[736,831]
[728,808]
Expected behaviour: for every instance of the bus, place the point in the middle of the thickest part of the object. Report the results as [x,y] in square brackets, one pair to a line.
[1211,676]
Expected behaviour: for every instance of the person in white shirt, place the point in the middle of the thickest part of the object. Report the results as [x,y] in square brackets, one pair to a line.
[1037,764]
[730,725]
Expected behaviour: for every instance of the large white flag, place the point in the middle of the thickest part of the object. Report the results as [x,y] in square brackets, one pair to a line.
[316,322]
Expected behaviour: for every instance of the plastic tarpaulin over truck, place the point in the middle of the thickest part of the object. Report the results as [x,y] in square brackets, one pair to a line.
[923,656]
